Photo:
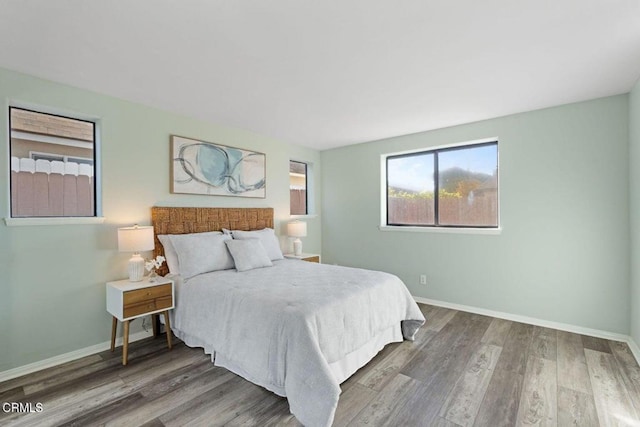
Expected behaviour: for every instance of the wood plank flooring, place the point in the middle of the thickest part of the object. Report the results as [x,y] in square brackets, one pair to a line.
[463,370]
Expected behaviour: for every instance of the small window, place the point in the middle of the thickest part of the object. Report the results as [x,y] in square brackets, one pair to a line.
[298,188]
[447,187]
[52,165]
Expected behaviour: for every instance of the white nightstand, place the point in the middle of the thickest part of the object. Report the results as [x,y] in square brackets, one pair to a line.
[129,300]
[304,257]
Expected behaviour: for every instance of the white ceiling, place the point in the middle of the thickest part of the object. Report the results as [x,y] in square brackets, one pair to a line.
[328,73]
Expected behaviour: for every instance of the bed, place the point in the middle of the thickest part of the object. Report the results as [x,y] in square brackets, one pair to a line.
[296,328]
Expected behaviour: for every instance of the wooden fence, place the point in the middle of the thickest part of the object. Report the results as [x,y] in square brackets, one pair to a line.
[483,211]
[51,189]
[298,201]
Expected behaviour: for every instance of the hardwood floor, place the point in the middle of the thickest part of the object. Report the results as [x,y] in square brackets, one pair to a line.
[463,370]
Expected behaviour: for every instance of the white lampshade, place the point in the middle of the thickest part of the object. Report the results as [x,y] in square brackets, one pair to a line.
[135,239]
[297,229]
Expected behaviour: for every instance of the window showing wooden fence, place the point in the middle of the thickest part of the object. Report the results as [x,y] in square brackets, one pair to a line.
[298,201]
[42,188]
[482,211]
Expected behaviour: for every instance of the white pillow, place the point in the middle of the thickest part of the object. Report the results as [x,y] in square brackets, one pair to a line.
[248,254]
[170,254]
[201,253]
[268,239]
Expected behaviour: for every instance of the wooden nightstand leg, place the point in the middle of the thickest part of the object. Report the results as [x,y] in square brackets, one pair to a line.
[167,326]
[125,343]
[154,324]
[114,328]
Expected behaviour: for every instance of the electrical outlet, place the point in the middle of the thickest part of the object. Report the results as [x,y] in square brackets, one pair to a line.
[423,279]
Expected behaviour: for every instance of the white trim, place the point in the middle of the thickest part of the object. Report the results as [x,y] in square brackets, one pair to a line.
[531,321]
[68,357]
[453,230]
[56,111]
[63,220]
[303,216]
[634,349]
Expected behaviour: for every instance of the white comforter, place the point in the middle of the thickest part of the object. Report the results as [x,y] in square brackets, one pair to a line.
[281,327]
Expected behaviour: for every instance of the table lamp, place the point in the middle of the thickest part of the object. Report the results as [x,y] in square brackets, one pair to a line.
[135,239]
[297,229]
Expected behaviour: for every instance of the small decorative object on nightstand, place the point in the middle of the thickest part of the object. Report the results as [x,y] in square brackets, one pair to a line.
[297,229]
[135,239]
[127,300]
[304,257]
[152,265]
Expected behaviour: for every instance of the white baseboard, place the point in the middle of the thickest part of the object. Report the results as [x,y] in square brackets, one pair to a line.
[68,357]
[533,321]
[633,346]
[634,349]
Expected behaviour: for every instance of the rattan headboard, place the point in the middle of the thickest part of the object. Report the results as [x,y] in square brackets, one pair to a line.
[168,220]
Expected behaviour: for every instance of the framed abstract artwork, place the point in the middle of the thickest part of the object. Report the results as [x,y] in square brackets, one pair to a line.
[199,167]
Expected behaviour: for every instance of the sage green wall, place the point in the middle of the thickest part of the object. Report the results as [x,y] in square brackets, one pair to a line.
[634,201]
[52,297]
[563,254]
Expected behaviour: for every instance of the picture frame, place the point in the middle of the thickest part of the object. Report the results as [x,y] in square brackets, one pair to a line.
[201,167]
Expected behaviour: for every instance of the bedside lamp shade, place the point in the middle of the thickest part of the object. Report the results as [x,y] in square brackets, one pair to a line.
[135,239]
[297,229]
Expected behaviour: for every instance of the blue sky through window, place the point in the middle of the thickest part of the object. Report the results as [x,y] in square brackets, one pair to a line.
[479,159]
[416,172]
[411,172]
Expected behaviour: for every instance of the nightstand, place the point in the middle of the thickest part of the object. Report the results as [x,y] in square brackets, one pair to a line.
[304,257]
[129,300]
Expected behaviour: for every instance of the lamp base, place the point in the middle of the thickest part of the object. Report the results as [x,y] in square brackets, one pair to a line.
[136,268]
[297,247]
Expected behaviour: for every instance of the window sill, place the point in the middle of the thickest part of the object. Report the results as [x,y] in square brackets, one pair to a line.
[453,230]
[309,216]
[19,222]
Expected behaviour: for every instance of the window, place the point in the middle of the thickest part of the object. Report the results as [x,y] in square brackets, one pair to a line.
[446,187]
[52,165]
[298,188]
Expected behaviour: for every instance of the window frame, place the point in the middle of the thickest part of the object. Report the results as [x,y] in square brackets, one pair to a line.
[436,227]
[97,217]
[306,186]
